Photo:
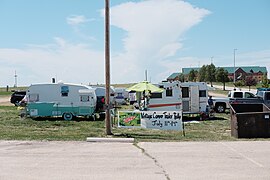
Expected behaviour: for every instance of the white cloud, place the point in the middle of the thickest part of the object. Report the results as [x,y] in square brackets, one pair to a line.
[69,62]
[77,20]
[154,29]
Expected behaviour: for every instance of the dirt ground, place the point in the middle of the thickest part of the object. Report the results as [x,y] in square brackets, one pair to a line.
[4,101]
[216,95]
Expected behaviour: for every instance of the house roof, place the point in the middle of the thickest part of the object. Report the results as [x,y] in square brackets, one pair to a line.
[231,69]
[173,75]
[187,70]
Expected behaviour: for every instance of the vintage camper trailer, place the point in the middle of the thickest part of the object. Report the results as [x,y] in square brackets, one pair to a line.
[194,97]
[120,95]
[101,94]
[61,99]
[168,100]
[190,97]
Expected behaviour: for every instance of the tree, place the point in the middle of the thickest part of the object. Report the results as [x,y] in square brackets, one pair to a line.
[192,75]
[210,73]
[222,76]
[250,82]
[239,83]
[265,81]
[202,73]
[181,77]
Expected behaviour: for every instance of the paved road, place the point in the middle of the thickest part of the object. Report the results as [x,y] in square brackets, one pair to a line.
[167,160]
[254,91]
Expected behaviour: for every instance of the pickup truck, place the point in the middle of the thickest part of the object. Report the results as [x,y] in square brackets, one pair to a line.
[221,104]
[265,96]
[262,97]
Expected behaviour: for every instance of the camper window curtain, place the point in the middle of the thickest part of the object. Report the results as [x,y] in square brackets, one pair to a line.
[64,90]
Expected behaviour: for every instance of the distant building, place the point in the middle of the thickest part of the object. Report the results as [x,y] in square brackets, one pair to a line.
[241,73]
[173,77]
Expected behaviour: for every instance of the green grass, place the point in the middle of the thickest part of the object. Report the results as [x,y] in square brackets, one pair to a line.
[123,85]
[12,127]
[4,92]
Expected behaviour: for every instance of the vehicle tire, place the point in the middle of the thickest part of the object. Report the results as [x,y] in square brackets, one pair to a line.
[220,108]
[67,116]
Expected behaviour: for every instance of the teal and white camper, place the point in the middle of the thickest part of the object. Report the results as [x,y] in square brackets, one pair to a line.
[60,99]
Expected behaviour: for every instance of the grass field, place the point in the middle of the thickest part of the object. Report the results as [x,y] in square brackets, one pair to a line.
[7,92]
[12,127]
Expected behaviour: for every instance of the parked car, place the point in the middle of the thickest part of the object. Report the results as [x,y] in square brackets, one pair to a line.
[16,97]
[262,97]
[221,104]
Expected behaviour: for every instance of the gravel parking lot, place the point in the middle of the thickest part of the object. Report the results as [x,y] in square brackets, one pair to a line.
[146,160]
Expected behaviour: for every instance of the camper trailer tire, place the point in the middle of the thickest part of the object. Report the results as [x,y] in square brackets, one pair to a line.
[67,116]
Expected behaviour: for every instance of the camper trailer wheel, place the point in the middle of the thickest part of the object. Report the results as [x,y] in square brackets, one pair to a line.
[67,116]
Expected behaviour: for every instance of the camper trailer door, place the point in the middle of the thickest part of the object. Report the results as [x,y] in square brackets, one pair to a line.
[194,99]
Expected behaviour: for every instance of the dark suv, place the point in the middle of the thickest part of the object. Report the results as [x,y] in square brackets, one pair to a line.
[17,96]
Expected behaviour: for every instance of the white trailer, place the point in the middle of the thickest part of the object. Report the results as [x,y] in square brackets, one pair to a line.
[190,97]
[120,95]
[168,100]
[194,97]
[61,99]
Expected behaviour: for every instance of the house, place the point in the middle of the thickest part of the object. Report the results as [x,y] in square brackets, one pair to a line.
[173,77]
[241,73]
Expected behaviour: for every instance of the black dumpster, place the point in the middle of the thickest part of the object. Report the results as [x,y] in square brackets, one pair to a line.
[250,121]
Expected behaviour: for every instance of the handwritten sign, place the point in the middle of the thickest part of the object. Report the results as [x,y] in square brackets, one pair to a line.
[165,120]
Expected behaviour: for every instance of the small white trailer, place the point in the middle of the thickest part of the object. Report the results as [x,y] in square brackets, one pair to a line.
[121,95]
[191,97]
[60,100]
[168,100]
[194,97]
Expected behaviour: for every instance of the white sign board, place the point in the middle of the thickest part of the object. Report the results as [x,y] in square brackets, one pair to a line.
[164,120]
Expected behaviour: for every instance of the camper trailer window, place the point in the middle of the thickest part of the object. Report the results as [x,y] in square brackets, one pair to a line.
[85,98]
[156,95]
[33,97]
[169,93]
[202,93]
[185,92]
[64,90]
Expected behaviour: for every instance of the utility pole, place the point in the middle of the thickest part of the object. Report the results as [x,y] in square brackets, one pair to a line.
[15,78]
[234,65]
[107,68]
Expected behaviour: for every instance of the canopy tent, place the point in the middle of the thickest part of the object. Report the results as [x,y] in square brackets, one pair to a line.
[144,86]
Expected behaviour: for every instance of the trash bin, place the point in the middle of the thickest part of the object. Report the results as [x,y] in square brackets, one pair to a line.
[250,121]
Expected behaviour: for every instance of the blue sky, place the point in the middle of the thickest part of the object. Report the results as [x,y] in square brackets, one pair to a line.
[65,39]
